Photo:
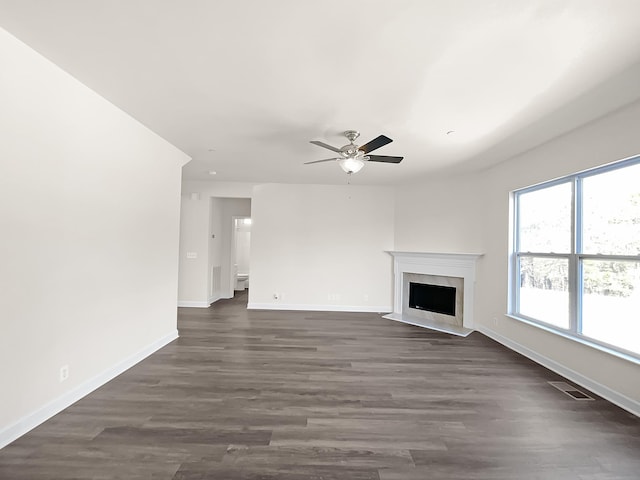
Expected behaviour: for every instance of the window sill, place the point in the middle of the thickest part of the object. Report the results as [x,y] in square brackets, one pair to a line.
[581,340]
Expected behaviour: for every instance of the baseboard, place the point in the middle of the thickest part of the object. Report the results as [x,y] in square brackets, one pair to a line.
[199,304]
[35,418]
[319,308]
[193,304]
[214,299]
[614,397]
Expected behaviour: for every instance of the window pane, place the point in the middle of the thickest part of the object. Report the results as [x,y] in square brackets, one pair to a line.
[544,220]
[611,302]
[544,291]
[611,212]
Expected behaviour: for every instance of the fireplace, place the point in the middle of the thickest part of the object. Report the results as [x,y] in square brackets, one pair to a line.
[434,290]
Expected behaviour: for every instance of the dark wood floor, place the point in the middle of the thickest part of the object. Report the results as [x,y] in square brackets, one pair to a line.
[298,395]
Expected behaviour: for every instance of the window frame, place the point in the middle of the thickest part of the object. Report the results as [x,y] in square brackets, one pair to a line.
[575,259]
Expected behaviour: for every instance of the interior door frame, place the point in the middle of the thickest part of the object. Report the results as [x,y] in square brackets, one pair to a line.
[232,256]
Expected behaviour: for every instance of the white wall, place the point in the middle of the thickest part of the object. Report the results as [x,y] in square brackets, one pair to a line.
[218,189]
[321,247]
[193,287]
[479,222]
[89,207]
[428,216]
[216,253]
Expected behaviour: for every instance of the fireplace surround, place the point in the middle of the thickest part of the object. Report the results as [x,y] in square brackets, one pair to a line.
[445,269]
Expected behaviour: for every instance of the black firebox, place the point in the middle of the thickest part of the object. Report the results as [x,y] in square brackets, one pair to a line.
[433,298]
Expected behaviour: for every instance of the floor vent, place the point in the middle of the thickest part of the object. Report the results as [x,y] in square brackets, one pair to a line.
[570,390]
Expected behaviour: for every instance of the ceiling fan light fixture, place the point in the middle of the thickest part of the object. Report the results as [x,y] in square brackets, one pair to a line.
[351,165]
[352,157]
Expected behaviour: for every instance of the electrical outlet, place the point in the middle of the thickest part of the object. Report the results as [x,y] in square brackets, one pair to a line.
[64,373]
[495,321]
[276,296]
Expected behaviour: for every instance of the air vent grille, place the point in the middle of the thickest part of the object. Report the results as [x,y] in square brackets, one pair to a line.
[570,390]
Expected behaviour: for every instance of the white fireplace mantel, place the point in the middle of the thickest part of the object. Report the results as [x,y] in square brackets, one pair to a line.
[461,265]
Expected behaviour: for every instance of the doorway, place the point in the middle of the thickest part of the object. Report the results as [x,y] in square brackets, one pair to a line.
[241,253]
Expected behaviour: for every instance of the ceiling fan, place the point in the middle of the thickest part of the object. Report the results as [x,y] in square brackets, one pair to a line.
[352,157]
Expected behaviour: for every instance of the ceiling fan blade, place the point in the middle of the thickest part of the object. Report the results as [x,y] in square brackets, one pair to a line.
[384,158]
[318,161]
[325,145]
[378,142]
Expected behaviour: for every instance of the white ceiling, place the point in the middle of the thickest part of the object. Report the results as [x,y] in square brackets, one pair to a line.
[243,85]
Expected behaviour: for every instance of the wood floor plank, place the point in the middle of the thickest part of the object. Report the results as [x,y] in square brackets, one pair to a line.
[328,395]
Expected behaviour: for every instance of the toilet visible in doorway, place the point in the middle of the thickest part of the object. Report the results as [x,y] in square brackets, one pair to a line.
[242,279]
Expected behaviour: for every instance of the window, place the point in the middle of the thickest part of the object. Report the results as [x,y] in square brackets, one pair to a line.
[576,258]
